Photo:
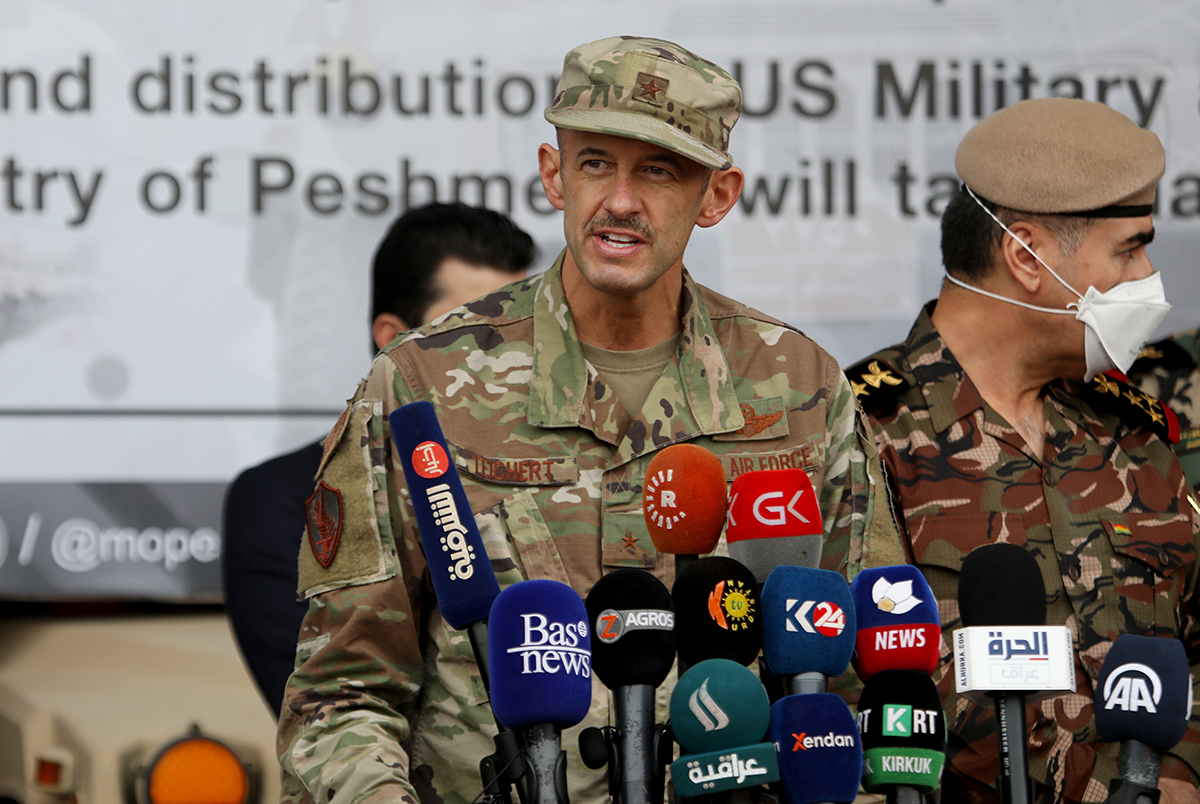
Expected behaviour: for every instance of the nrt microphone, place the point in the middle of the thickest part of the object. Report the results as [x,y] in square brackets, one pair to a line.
[1143,701]
[898,625]
[774,520]
[633,648]
[717,612]
[539,644]
[903,735]
[817,744]
[808,627]
[683,500]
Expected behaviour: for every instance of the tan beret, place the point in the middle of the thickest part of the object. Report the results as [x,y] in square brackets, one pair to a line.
[1062,156]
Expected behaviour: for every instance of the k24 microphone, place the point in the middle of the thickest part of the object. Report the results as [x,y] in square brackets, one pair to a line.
[808,627]
[774,520]
[898,624]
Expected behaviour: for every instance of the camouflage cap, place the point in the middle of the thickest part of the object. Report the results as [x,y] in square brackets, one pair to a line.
[1062,156]
[650,90]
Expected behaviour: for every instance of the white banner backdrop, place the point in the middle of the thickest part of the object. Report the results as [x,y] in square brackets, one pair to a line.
[190,193]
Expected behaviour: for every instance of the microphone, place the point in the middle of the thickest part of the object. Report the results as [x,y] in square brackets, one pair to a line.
[719,714]
[716,612]
[903,733]
[539,645]
[819,751]
[808,627]
[898,623]
[683,501]
[774,520]
[1144,701]
[633,647]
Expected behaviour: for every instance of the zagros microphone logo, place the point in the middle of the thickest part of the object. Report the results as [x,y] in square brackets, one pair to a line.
[453,537]
[732,605]
[706,711]
[825,618]
[806,741]
[611,624]
[553,647]
[894,598]
[429,460]
[1126,689]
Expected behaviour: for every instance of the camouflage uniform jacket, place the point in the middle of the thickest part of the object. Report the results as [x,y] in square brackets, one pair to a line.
[1104,511]
[553,469]
[1170,371]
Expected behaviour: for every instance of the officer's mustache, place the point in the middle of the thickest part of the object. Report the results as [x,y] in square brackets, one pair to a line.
[633,224]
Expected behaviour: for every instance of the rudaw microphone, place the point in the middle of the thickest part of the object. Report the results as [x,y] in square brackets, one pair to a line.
[633,647]
[903,735]
[897,618]
[1005,650]
[808,627]
[774,520]
[717,613]
[1143,701]
[683,500]
[539,646]
[719,715]
[818,748]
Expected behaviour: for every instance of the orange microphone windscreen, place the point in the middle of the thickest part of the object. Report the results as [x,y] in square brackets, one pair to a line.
[683,499]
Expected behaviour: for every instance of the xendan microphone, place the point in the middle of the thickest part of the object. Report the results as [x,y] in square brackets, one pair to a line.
[818,747]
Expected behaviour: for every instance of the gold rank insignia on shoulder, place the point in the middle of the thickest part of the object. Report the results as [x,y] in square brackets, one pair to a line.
[875,383]
[1110,392]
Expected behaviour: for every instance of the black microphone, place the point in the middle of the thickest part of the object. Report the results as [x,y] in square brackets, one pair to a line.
[1143,701]
[633,648]
[903,735]
[1001,585]
[717,612]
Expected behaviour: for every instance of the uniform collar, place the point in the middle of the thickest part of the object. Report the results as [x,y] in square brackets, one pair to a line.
[949,393]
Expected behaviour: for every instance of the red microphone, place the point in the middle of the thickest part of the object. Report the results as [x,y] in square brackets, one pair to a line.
[774,520]
[683,500]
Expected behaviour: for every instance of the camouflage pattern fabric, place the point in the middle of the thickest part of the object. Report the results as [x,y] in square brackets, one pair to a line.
[553,468]
[1104,511]
[1170,371]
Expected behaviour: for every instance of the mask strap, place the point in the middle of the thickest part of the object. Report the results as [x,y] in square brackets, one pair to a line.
[983,292]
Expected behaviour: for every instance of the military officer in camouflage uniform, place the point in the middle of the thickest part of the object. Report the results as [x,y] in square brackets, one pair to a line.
[554,393]
[997,422]
[1170,370]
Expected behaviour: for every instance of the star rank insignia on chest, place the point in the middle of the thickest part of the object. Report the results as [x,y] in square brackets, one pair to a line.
[651,89]
[876,384]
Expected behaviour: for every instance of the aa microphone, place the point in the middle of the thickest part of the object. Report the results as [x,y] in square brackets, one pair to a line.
[903,733]
[719,715]
[1143,701]
[683,500]
[897,618]
[633,648]
[808,627]
[539,646]
[774,520]
[818,748]
[716,612]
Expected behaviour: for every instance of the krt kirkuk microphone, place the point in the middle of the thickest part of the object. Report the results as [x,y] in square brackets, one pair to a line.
[683,501]
[719,715]
[808,627]
[717,612]
[633,647]
[539,645]
[903,733]
[898,623]
[1143,701]
[818,748]
[774,520]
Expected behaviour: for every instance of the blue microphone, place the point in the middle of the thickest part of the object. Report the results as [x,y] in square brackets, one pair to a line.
[818,746]
[808,627]
[540,651]
[898,623]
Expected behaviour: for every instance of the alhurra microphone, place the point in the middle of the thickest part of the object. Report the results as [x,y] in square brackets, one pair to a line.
[719,714]
[903,735]
[774,520]
[683,501]
[1143,701]
[897,618]
[808,627]
[633,647]
[818,748]
[717,612]
[539,645]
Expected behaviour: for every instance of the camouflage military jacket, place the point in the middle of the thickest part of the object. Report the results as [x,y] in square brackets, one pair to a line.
[553,469]
[1170,371]
[1104,511]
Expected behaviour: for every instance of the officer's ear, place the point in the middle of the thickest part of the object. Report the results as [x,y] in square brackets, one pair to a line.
[724,189]
[386,327]
[550,169]
[1016,259]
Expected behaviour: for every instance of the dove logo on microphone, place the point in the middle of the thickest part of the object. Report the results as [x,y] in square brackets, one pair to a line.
[1126,689]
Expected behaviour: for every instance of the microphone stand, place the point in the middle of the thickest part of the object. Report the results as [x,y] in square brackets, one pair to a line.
[504,768]
[1014,782]
[1138,768]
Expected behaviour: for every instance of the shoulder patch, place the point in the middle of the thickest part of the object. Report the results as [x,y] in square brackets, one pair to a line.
[877,384]
[1166,354]
[323,513]
[1111,393]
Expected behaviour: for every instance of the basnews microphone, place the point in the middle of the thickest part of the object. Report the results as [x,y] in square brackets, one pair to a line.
[774,520]
[717,613]
[818,748]
[808,627]
[903,733]
[1143,701]
[539,644]
[633,647]
[1006,651]
[897,618]
[683,501]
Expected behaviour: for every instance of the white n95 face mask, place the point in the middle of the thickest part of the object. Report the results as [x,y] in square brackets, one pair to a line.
[1117,323]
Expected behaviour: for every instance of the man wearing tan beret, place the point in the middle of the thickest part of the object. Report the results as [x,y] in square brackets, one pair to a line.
[1003,418]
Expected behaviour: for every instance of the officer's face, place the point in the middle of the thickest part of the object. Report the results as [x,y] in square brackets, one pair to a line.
[1112,251]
